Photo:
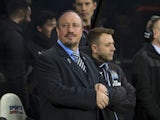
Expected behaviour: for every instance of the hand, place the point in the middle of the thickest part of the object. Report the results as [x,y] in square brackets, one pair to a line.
[101,87]
[101,95]
[101,99]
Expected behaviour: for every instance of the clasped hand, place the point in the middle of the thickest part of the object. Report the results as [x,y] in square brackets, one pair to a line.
[102,98]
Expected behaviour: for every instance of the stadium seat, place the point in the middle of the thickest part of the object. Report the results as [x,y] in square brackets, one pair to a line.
[11,108]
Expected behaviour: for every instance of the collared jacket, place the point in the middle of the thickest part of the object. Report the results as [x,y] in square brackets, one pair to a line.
[121,94]
[65,91]
[146,79]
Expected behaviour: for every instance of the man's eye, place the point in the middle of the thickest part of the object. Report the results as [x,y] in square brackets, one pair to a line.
[107,45]
[79,4]
[87,4]
[64,25]
[76,25]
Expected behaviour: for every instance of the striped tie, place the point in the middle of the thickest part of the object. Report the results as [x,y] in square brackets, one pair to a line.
[79,61]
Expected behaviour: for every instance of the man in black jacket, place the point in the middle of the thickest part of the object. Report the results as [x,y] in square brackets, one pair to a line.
[122,93]
[44,23]
[146,74]
[66,91]
[12,50]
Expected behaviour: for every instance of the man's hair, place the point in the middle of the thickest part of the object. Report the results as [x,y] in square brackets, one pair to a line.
[12,6]
[68,12]
[94,34]
[153,20]
[42,17]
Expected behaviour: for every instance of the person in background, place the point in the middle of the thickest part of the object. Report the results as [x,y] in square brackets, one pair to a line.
[68,82]
[85,8]
[43,23]
[12,50]
[123,97]
[146,73]
[27,20]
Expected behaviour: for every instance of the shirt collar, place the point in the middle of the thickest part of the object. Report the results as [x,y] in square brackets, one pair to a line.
[99,64]
[157,48]
[68,50]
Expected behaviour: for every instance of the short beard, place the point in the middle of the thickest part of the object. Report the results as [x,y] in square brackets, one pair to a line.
[101,58]
[71,45]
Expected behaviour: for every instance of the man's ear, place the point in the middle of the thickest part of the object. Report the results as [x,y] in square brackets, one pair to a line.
[95,5]
[39,29]
[94,48]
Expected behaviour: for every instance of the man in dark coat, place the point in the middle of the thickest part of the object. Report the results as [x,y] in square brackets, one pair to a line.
[146,74]
[12,50]
[66,91]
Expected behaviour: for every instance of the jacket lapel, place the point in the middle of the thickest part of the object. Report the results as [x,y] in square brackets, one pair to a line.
[89,69]
[76,70]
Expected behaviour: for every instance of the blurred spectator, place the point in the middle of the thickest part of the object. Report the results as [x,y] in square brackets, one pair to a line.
[85,8]
[146,73]
[12,50]
[44,23]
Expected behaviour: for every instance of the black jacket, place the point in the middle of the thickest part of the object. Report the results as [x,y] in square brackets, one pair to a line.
[146,79]
[66,92]
[121,93]
[36,46]
[12,58]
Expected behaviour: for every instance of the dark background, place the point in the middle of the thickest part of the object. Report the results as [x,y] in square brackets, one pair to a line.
[127,17]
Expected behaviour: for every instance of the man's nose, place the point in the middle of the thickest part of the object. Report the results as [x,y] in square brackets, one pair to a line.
[70,28]
[113,48]
[83,7]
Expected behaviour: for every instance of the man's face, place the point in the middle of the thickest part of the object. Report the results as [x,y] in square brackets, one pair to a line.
[47,28]
[156,32]
[70,30]
[25,15]
[85,8]
[104,49]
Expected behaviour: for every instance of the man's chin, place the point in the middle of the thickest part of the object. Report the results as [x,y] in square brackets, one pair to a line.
[71,44]
[110,59]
